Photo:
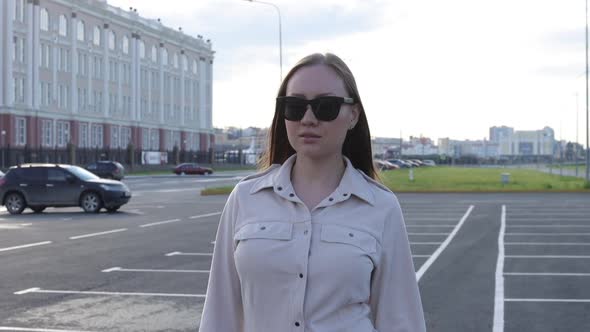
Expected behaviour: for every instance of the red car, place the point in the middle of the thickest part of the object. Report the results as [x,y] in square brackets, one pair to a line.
[190,168]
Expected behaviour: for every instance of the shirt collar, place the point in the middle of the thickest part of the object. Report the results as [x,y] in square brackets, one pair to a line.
[353,182]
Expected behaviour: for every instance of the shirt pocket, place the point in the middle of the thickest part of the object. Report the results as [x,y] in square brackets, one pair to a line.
[350,236]
[265,230]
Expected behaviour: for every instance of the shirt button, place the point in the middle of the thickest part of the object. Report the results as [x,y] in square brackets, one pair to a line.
[297,324]
[262,228]
[330,199]
[279,188]
[301,275]
[350,234]
[344,195]
[291,195]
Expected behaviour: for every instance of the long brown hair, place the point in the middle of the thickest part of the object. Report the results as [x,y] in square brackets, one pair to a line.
[357,144]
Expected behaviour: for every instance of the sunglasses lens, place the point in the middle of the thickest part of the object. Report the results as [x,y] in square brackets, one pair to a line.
[294,110]
[328,109]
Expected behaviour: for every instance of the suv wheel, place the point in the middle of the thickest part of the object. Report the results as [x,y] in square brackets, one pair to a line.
[91,202]
[15,203]
[37,209]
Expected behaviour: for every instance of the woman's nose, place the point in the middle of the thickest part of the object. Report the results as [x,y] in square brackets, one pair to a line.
[308,117]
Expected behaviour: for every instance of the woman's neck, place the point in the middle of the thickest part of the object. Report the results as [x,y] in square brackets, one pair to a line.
[314,179]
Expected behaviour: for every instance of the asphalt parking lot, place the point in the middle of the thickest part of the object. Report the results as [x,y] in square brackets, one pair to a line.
[485,262]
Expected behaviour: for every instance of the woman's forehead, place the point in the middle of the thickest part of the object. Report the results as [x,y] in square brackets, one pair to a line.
[315,80]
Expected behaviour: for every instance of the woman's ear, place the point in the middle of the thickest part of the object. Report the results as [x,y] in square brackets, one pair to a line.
[356,111]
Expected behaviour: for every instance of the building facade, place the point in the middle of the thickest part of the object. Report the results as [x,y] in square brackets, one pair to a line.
[85,73]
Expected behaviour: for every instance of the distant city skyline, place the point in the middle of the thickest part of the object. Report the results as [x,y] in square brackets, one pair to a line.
[443,69]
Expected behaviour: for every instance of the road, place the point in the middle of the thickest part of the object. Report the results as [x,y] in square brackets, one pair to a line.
[485,262]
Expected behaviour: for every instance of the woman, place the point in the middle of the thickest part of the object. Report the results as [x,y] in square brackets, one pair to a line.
[314,243]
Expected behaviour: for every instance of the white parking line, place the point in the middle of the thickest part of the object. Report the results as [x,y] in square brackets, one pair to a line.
[97,234]
[12,328]
[119,269]
[550,300]
[205,215]
[177,253]
[554,226]
[25,246]
[442,247]
[429,234]
[499,279]
[160,223]
[549,234]
[46,291]
[549,226]
[410,225]
[545,256]
[547,274]
[547,244]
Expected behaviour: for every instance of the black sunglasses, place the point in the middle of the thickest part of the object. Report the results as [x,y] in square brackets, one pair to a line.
[325,108]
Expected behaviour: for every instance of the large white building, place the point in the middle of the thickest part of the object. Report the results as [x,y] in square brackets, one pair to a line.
[87,73]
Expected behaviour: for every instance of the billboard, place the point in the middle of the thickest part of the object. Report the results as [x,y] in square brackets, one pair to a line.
[154,158]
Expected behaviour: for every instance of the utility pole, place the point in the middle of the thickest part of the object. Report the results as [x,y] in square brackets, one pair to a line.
[587,116]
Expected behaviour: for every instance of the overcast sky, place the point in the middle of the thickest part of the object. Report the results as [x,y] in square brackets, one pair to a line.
[434,68]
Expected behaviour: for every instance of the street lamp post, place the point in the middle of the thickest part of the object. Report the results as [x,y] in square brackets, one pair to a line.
[280,34]
[3,147]
[587,116]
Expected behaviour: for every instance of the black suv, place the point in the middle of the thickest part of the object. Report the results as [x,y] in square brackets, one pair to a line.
[38,186]
[107,169]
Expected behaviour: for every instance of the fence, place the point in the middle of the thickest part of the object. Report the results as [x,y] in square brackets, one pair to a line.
[82,156]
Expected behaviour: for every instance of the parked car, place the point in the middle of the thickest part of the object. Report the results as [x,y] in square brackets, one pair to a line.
[38,186]
[400,163]
[429,162]
[412,163]
[384,165]
[191,168]
[107,169]
[418,161]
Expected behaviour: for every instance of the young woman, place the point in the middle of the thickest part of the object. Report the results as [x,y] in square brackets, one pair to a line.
[314,243]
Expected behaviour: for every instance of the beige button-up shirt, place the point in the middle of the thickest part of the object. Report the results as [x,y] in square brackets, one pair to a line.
[345,266]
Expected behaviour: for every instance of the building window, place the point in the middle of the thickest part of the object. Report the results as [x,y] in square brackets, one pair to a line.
[155,139]
[125,45]
[154,54]
[175,60]
[97,135]
[19,90]
[112,40]
[81,30]
[84,135]
[165,56]
[44,55]
[96,37]
[47,133]
[125,136]
[63,26]
[19,11]
[44,19]
[115,137]
[141,49]
[19,50]
[62,129]
[195,67]
[184,63]
[20,131]
[145,139]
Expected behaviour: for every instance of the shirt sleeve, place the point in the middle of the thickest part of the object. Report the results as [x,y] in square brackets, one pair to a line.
[395,299]
[223,310]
